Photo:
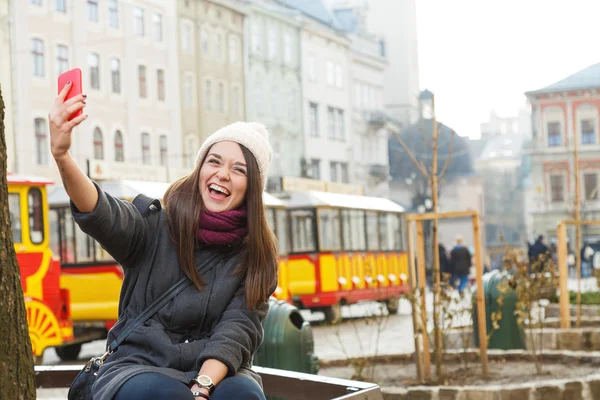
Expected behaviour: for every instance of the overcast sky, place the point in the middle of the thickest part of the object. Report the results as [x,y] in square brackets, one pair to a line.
[476,55]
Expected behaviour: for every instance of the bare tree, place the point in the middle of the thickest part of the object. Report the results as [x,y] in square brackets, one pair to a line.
[16,359]
[433,177]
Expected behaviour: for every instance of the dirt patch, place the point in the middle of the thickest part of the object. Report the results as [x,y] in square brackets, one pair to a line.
[500,372]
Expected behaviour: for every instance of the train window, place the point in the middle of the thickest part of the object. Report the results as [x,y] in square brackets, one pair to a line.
[329,230]
[14,208]
[85,246]
[36,216]
[67,238]
[397,231]
[282,231]
[302,230]
[353,224]
[372,231]
[54,221]
[386,231]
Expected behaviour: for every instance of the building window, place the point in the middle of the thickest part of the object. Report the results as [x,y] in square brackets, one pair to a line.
[314,120]
[588,133]
[345,177]
[41,141]
[98,145]
[311,68]
[157,30]
[331,115]
[333,171]
[94,65]
[61,6]
[233,50]
[382,50]
[62,59]
[142,81]
[272,43]
[138,21]
[315,168]
[160,84]
[146,148]
[330,73]
[205,39]
[119,151]
[235,102]
[92,10]
[590,185]
[115,72]
[37,57]
[188,91]
[557,194]
[218,47]
[339,78]
[208,95]
[163,150]
[256,37]
[186,37]
[221,97]
[287,49]
[554,134]
[341,125]
[113,13]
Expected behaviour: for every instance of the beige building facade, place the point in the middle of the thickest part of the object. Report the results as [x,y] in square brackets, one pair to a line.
[128,73]
[210,45]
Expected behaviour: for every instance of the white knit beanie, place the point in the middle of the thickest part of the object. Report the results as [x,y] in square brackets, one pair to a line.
[252,135]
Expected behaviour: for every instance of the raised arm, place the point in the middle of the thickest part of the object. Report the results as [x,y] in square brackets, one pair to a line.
[78,186]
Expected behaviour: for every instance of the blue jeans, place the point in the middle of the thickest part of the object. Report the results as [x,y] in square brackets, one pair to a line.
[152,385]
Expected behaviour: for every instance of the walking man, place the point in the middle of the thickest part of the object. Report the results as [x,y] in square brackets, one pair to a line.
[460,259]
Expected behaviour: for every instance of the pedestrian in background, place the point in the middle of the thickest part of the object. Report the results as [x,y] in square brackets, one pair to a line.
[460,258]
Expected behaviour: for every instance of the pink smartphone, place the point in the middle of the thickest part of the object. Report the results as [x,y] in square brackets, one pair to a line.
[73,75]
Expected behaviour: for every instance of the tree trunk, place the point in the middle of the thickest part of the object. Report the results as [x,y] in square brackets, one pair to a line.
[16,359]
[437,332]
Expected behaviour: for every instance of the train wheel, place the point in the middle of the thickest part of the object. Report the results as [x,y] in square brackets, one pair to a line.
[69,352]
[392,305]
[44,330]
[333,314]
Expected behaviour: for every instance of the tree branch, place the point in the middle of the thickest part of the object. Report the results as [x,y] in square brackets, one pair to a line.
[411,155]
[448,158]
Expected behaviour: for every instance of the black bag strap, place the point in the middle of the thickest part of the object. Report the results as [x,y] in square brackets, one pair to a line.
[145,203]
[157,304]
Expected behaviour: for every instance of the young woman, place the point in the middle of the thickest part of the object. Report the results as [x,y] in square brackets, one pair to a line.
[200,345]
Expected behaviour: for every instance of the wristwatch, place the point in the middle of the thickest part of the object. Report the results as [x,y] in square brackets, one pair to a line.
[203,381]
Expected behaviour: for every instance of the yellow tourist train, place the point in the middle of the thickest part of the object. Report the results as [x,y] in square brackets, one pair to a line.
[335,249]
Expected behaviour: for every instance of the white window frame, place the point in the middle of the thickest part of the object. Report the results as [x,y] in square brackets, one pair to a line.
[139,22]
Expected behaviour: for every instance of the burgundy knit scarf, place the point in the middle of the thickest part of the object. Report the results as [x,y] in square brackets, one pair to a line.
[223,228]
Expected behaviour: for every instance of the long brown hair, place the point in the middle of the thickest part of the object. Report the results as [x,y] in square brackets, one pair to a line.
[183,206]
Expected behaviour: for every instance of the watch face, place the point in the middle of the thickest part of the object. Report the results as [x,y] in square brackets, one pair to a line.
[204,380]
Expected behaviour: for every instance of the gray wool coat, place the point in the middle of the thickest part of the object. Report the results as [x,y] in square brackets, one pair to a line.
[195,326]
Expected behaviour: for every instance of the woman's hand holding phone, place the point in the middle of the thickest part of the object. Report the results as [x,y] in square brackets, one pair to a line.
[60,125]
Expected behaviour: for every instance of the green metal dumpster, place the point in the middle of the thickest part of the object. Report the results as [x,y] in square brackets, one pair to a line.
[508,335]
[288,341]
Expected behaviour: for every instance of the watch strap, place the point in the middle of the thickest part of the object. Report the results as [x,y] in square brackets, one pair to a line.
[200,394]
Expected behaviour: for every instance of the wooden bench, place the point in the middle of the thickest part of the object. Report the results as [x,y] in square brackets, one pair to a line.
[277,383]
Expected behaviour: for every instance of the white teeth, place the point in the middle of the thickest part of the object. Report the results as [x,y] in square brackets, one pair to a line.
[219,189]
